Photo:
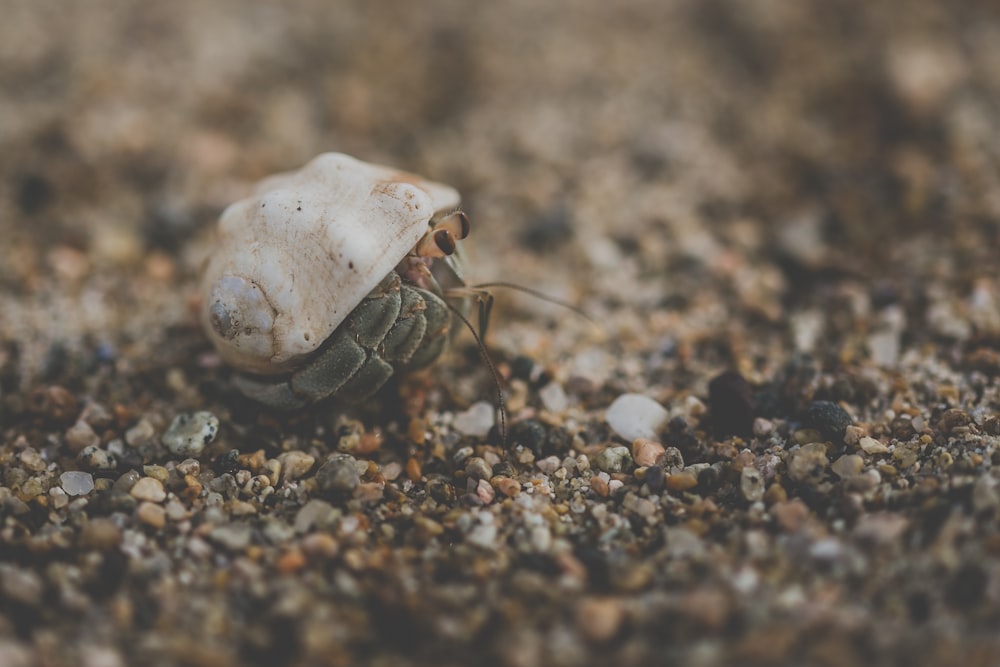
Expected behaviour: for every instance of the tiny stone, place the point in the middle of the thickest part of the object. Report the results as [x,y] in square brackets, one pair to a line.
[808,463]
[600,486]
[76,483]
[612,459]
[762,427]
[751,484]
[485,491]
[790,515]
[150,489]
[507,486]
[633,416]
[189,433]
[95,458]
[872,446]
[647,452]
[339,475]
[848,465]
[295,465]
[21,585]
[549,464]
[232,536]
[655,478]
[100,534]
[681,481]
[32,460]
[600,619]
[477,468]
[476,421]
[140,434]
[59,497]
[151,514]
[553,397]
[81,435]
[829,419]
[314,514]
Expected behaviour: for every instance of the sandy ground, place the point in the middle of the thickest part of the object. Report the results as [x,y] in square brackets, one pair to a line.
[806,194]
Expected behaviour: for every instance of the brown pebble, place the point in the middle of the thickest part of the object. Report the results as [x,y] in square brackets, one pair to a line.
[192,488]
[681,481]
[790,515]
[151,514]
[646,452]
[600,619]
[320,545]
[148,488]
[100,534]
[775,494]
[413,471]
[292,560]
[507,486]
[599,486]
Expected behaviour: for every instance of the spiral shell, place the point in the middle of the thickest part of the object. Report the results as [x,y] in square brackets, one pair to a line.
[298,256]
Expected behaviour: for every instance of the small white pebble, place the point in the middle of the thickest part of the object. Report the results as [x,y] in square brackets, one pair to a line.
[872,446]
[554,397]
[76,483]
[549,464]
[189,433]
[476,421]
[633,416]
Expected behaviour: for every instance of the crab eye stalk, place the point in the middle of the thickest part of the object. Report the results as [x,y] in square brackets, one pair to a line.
[437,243]
[458,224]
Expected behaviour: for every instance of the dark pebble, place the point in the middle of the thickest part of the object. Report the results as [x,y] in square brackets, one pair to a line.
[829,419]
[731,405]
[338,476]
[654,478]
[529,433]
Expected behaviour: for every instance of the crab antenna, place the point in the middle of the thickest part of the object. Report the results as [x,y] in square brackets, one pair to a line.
[538,295]
[484,353]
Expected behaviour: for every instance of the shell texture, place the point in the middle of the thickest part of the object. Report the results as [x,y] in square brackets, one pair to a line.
[297,257]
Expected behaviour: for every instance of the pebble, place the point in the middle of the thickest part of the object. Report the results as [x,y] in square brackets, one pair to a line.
[681,481]
[647,452]
[599,485]
[485,491]
[190,432]
[477,468]
[633,416]
[140,434]
[612,459]
[506,485]
[549,464]
[872,446]
[95,458]
[829,419]
[339,475]
[600,619]
[100,534]
[151,514]
[553,397]
[81,435]
[232,536]
[476,421]
[295,465]
[149,489]
[21,585]
[751,484]
[808,463]
[985,497]
[76,483]
[790,515]
[849,465]
[32,460]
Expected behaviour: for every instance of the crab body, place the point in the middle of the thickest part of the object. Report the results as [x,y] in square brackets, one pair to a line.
[321,283]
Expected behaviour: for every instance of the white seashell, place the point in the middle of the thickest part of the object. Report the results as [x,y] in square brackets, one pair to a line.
[299,255]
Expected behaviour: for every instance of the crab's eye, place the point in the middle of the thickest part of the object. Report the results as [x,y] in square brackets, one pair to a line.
[445,241]
[458,224]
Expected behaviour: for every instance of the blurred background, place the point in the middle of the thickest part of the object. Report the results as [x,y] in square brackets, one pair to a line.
[729,164]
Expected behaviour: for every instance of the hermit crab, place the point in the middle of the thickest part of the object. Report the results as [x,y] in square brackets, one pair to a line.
[324,281]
